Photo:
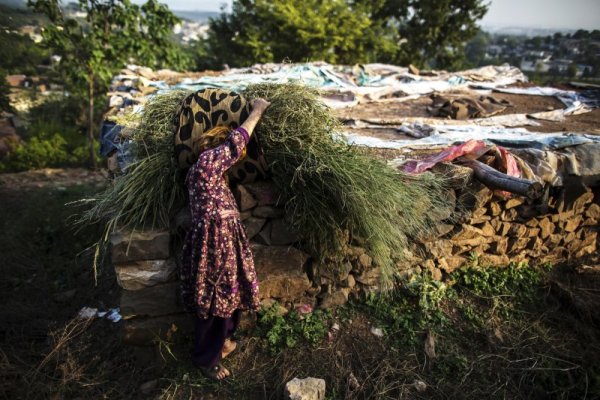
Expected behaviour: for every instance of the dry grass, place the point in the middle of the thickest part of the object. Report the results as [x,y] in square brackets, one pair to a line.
[334,188]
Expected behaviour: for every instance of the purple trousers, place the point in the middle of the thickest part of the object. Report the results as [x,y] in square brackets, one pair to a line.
[209,338]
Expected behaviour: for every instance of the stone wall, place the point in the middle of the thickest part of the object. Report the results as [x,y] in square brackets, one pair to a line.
[561,226]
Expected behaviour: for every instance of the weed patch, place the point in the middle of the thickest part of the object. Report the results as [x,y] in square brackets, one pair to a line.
[497,332]
[287,331]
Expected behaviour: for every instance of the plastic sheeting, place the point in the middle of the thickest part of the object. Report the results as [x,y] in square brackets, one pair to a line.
[450,134]
[568,97]
[370,80]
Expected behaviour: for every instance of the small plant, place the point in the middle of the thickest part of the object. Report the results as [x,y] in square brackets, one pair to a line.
[517,279]
[287,331]
[407,313]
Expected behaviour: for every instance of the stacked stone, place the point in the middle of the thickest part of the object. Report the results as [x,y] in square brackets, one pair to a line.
[562,227]
[352,274]
[146,270]
[499,231]
[328,284]
[280,266]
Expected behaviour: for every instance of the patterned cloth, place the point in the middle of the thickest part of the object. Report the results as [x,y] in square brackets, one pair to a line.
[218,275]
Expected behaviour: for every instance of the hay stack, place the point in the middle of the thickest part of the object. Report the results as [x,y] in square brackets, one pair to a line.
[332,188]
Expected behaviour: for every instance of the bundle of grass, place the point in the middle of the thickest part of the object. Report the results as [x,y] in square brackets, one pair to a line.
[332,187]
[146,195]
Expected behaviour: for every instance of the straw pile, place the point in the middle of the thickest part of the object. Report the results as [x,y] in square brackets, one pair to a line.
[332,188]
[150,190]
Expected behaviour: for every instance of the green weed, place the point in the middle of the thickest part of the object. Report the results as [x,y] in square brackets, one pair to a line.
[287,331]
[520,280]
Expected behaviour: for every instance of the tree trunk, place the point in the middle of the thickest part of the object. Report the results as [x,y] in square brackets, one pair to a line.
[91,122]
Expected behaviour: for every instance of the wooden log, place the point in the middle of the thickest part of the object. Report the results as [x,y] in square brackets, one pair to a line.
[497,180]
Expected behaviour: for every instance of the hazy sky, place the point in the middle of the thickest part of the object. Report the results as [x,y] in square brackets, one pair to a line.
[562,14]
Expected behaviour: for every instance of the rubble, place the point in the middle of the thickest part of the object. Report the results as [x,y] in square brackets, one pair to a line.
[305,389]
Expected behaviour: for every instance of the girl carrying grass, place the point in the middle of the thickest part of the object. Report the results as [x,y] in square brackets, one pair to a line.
[218,276]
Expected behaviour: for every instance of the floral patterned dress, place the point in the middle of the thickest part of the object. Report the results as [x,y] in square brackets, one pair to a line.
[217,274]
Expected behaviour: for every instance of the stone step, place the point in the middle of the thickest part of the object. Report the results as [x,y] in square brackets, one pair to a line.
[154,301]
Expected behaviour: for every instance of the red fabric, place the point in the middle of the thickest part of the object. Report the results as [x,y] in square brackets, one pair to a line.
[509,163]
[510,166]
[472,147]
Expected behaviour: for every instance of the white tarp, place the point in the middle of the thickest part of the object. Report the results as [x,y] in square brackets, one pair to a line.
[446,135]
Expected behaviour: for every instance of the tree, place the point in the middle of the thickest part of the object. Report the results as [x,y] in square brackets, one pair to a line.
[113,33]
[581,34]
[434,32]
[4,93]
[336,31]
[572,70]
[476,48]
[20,54]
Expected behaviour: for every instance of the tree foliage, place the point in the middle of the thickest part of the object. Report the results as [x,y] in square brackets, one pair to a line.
[422,32]
[4,93]
[433,32]
[336,31]
[113,33]
[20,54]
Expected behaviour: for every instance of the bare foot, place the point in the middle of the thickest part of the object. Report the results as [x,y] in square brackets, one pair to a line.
[228,348]
[218,372]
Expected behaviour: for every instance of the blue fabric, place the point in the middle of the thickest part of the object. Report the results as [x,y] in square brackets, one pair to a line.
[109,134]
[111,140]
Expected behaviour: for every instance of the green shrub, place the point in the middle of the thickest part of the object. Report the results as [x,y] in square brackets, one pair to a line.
[53,138]
[288,331]
[517,279]
[60,110]
[37,153]
[44,152]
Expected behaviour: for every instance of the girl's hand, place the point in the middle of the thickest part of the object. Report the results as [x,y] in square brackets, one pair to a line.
[258,108]
[260,105]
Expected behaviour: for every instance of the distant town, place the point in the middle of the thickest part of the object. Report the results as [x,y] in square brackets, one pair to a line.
[542,54]
[574,55]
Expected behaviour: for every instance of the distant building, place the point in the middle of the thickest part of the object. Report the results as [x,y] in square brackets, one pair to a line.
[535,65]
[188,31]
[494,50]
[16,80]
[561,65]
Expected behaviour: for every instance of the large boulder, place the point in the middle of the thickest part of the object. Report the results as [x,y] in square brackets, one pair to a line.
[280,271]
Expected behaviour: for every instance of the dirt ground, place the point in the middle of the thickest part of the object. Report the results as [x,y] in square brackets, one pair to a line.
[588,123]
[52,177]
